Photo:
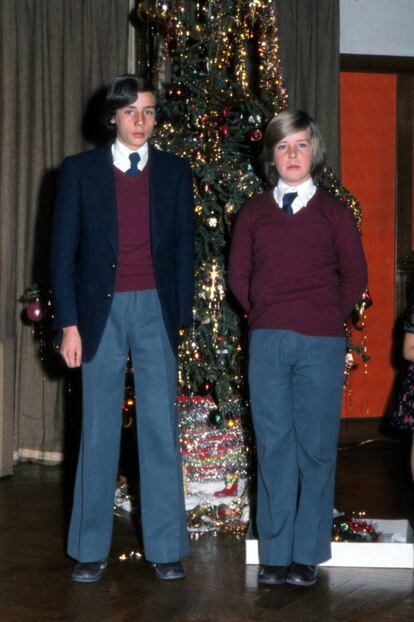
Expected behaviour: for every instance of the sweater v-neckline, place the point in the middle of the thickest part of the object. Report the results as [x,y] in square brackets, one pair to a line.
[302,209]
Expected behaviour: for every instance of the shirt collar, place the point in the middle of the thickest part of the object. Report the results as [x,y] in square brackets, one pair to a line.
[121,153]
[305,192]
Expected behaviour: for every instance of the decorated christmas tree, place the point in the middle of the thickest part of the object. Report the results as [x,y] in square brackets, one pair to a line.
[213,113]
[217,66]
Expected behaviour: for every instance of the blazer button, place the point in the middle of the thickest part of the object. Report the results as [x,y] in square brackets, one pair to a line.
[109,295]
[113,266]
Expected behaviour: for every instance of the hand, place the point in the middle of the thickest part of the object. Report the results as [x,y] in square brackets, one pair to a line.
[71,346]
[408,347]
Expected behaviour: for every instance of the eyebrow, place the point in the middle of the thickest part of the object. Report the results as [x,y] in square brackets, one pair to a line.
[149,107]
[299,140]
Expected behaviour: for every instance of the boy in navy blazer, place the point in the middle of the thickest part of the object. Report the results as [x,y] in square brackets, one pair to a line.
[122,267]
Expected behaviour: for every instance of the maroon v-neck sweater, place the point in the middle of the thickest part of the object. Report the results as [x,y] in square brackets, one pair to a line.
[303,272]
[135,269]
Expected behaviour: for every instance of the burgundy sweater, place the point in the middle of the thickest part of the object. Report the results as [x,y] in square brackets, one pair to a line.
[135,269]
[303,272]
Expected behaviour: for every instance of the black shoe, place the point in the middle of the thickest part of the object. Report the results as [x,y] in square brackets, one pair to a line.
[169,571]
[88,572]
[272,575]
[300,574]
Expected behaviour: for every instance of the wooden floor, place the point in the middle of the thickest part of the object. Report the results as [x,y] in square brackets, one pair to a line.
[34,571]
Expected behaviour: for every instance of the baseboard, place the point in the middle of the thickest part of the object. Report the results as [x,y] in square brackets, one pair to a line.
[359,429]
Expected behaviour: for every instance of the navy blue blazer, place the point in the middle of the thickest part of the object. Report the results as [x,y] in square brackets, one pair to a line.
[85,242]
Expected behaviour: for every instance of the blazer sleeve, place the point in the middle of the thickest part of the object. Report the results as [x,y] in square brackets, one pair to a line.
[185,246]
[65,241]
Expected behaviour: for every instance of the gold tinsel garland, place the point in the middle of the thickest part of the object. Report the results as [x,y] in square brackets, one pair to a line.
[228,27]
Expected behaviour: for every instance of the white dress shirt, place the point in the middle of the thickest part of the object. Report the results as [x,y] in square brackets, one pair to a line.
[121,153]
[305,191]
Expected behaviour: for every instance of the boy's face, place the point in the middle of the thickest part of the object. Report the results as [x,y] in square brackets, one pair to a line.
[135,122]
[293,158]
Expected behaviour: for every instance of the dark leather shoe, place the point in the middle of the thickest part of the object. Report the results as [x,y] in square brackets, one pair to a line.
[272,575]
[170,571]
[300,574]
[88,572]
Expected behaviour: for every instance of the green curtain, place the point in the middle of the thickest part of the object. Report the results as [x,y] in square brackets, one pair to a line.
[309,39]
[54,57]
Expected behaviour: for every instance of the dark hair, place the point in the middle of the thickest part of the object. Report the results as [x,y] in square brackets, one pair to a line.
[122,92]
[284,124]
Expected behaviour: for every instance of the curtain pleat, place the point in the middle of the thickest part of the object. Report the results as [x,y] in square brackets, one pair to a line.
[55,57]
[309,39]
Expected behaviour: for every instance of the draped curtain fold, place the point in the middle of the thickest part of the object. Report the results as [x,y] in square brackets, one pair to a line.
[309,46]
[55,55]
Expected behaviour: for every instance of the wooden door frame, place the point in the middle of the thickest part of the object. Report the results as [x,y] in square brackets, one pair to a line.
[403,68]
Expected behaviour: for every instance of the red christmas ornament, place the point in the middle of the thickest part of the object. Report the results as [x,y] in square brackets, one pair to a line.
[36,312]
[178,91]
[255,136]
[226,111]
[205,388]
[224,130]
[224,511]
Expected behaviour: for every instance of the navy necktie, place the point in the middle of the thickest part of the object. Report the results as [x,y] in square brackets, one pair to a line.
[134,170]
[288,199]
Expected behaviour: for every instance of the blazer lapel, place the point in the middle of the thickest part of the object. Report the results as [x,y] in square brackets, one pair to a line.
[102,189]
[158,194]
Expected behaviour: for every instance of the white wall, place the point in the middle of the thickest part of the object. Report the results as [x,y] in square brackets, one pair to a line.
[379,27]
